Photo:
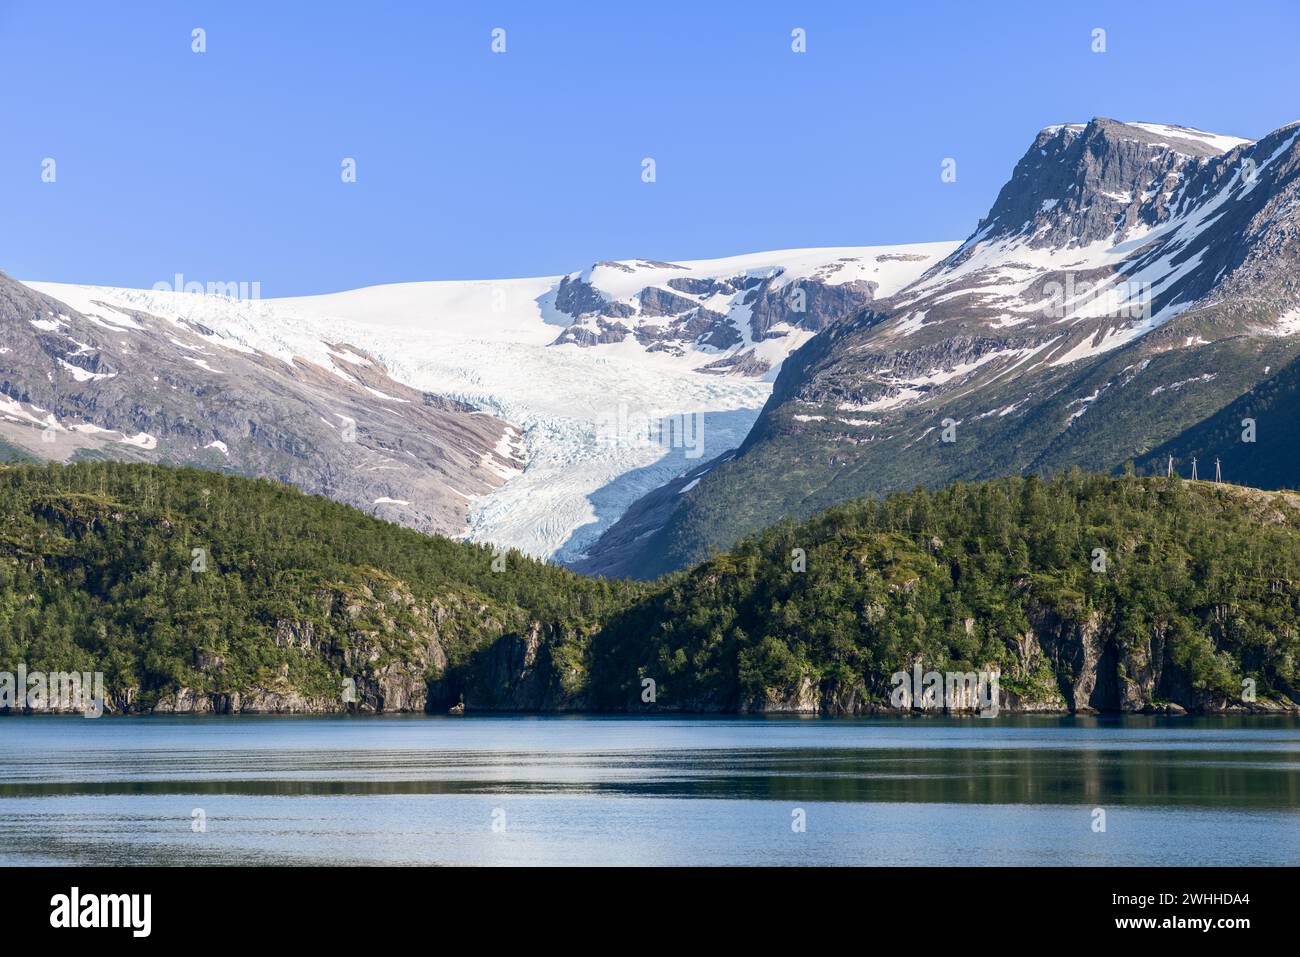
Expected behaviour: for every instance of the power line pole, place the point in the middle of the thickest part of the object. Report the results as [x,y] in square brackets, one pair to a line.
[1218,475]
[1193,468]
[1169,471]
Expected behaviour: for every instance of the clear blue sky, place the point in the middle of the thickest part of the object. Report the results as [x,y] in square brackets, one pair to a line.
[225,166]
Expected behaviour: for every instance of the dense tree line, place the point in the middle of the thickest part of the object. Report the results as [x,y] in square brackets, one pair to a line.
[1200,581]
[145,572]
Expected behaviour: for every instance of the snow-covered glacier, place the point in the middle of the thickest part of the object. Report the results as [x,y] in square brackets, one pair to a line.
[662,343]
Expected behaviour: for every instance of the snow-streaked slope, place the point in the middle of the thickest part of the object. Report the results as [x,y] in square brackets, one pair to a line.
[122,382]
[490,343]
[1217,141]
[999,273]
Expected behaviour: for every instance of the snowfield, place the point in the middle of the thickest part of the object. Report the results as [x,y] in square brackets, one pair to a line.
[583,413]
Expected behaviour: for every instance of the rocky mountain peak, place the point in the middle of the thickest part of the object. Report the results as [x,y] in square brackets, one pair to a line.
[1083,183]
[1129,279]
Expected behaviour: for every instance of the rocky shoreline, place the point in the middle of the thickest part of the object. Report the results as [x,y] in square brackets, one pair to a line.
[261,702]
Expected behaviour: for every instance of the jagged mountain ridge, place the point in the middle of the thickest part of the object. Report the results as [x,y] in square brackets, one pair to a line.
[1128,282]
[753,310]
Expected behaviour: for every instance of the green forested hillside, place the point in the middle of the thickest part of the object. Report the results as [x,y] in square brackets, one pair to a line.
[101,568]
[195,591]
[1197,588]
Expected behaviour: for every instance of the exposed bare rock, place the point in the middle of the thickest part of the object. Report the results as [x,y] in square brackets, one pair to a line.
[729,306]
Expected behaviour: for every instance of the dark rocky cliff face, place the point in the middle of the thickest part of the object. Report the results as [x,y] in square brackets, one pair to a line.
[1083,183]
[382,665]
[1071,666]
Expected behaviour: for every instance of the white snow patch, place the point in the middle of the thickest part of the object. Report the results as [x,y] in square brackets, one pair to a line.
[202,364]
[142,440]
[13,410]
[1085,403]
[884,402]
[83,300]
[385,396]
[1217,141]
[84,375]
[1287,324]
[1175,386]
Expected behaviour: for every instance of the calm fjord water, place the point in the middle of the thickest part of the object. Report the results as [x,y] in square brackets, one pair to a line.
[590,790]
